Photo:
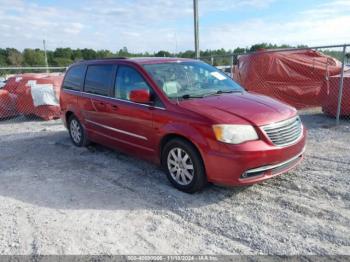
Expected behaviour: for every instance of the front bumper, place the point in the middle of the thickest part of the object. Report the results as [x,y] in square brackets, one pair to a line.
[252,162]
[268,171]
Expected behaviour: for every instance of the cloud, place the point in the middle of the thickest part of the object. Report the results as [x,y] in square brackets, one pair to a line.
[325,24]
[151,25]
[221,5]
[73,28]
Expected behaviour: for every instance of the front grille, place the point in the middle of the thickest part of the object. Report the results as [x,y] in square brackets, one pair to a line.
[285,132]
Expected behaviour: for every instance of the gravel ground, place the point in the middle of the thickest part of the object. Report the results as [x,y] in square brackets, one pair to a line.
[59,199]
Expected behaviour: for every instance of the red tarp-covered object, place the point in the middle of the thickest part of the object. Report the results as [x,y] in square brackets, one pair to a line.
[295,77]
[330,93]
[36,94]
[7,104]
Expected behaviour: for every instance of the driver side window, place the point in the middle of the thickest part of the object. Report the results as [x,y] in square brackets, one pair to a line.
[128,79]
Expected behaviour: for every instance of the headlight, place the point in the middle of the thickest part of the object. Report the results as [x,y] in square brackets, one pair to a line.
[235,134]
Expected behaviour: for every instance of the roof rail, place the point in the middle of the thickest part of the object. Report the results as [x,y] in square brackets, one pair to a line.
[107,58]
[116,57]
[96,59]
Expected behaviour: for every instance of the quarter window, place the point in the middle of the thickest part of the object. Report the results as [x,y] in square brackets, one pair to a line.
[128,79]
[99,79]
[74,77]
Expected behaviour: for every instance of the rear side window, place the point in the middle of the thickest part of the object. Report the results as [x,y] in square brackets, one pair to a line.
[99,79]
[74,77]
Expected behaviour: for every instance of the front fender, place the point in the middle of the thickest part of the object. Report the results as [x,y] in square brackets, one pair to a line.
[195,134]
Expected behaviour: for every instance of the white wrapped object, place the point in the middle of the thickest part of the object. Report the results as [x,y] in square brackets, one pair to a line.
[43,94]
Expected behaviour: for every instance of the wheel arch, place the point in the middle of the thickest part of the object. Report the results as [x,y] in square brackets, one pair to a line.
[68,115]
[75,113]
[171,136]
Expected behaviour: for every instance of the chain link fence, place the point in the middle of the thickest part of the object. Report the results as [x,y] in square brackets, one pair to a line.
[314,78]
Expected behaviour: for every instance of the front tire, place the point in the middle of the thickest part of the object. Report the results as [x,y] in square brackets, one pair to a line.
[184,166]
[77,132]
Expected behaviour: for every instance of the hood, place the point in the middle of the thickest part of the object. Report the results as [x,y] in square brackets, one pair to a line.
[226,108]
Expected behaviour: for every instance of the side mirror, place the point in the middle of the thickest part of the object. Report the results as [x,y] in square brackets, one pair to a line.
[140,96]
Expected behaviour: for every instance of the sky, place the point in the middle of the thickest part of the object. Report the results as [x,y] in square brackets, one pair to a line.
[153,25]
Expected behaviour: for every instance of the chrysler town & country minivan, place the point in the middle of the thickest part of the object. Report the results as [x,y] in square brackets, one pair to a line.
[185,115]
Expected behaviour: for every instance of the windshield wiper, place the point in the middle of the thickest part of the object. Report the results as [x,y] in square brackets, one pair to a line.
[219,92]
[188,96]
[227,91]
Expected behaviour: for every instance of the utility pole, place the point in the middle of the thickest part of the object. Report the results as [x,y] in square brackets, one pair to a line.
[46,63]
[175,45]
[196,37]
[341,86]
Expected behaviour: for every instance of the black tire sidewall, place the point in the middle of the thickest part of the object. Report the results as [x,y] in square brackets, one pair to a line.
[199,179]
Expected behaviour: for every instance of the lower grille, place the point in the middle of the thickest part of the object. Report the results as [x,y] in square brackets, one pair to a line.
[285,132]
[273,169]
[281,168]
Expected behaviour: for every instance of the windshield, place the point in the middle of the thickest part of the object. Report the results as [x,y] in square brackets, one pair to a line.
[191,79]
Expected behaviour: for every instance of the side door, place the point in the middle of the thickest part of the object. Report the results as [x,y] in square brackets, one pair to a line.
[94,100]
[132,122]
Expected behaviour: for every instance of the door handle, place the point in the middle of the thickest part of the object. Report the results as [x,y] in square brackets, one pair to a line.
[114,107]
[99,103]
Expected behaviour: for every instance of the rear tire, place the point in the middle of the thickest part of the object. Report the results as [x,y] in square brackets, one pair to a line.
[77,132]
[184,166]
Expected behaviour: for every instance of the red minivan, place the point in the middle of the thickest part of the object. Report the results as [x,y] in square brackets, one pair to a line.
[185,115]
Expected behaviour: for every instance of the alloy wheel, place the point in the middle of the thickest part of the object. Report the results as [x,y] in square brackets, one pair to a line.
[75,131]
[180,166]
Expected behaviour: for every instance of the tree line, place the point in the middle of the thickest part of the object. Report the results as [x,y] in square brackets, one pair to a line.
[66,56]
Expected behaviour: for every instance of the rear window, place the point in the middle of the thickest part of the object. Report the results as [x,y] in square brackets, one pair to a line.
[74,77]
[99,79]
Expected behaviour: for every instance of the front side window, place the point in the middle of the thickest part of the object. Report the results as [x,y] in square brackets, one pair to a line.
[99,79]
[74,77]
[128,79]
[191,79]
